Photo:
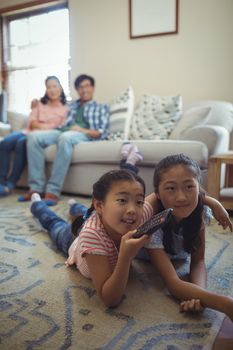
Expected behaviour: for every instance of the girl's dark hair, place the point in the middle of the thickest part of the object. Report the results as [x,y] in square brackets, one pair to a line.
[100,190]
[45,98]
[192,224]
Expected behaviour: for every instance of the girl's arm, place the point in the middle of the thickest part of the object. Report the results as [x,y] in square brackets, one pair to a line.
[111,285]
[153,200]
[198,273]
[185,290]
[220,213]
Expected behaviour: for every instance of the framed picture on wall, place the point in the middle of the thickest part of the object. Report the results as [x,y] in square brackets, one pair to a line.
[153,17]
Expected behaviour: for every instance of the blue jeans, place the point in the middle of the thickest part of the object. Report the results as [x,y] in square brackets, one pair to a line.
[37,142]
[58,229]
[16,142]
[129,167]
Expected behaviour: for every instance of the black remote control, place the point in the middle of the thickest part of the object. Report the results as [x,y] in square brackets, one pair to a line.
[154,223]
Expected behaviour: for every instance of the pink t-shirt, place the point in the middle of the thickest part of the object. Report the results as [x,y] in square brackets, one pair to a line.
[93,239]
[53,116]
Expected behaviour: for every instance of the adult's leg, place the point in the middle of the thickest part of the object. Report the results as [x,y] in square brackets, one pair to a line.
[37,141]
[7,145]
[65,145]
[58,229]
[20,161]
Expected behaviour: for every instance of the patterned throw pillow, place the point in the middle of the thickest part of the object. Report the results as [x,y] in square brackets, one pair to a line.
[155,117]
[121,112]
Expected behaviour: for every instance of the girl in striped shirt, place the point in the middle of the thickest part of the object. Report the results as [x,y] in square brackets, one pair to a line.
[105,247]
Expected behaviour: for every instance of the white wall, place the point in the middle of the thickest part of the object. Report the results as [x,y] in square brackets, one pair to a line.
[8,3]
[196,63]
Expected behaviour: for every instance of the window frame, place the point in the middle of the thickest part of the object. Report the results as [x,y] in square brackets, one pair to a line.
[16,12]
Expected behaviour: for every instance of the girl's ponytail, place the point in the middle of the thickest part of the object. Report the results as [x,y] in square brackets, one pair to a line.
[79,221]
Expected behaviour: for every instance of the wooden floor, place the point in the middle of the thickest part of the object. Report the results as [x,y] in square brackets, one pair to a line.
[224,340]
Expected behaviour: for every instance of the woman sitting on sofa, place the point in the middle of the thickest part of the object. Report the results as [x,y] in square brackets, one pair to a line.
[49,113]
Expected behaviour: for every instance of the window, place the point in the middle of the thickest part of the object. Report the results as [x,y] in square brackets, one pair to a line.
[37,46]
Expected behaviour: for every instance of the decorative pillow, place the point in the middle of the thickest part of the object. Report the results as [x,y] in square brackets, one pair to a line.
[121,112]
[221,113]
[192,117]
[155,117]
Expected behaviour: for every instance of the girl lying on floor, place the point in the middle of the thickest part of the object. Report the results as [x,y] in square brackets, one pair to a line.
[105,247]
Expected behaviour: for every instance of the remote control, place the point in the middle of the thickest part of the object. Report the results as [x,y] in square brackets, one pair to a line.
[154,223]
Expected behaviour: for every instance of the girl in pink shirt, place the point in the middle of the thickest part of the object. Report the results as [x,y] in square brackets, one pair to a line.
[49,113]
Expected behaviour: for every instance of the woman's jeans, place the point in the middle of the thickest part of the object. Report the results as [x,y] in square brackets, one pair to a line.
[37,142]
[16,142]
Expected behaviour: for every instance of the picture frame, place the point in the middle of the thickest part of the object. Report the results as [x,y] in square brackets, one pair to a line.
[149,18]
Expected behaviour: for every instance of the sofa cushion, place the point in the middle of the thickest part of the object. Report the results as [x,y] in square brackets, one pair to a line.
[221,112]
[155,117]
[108,152]
[121,111]
[191,118]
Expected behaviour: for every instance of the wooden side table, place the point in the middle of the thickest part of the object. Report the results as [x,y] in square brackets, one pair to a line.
[223,194]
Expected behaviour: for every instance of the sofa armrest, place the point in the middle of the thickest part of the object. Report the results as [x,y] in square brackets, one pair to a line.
[5,129]
[215,137]
[18,121]
[231,141]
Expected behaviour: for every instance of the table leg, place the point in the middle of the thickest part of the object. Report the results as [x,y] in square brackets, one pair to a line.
[214,177]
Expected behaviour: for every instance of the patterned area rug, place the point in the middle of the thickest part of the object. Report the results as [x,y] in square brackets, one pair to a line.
[45,305]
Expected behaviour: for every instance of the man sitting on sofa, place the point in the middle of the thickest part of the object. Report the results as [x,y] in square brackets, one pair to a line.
[87,121]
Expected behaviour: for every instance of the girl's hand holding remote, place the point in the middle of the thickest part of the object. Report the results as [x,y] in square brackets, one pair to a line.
[130,246]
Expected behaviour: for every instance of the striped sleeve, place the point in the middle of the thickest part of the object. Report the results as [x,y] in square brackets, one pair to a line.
[91,242]
[147,212]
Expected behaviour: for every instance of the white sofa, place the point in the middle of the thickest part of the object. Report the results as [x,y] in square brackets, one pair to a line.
[194,134]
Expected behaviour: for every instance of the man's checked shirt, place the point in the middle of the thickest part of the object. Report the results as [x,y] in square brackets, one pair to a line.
[95,115]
